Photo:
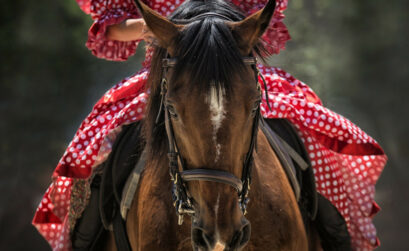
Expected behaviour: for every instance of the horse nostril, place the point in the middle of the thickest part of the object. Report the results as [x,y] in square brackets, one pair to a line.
[202,240]
[246,232]
[241,237]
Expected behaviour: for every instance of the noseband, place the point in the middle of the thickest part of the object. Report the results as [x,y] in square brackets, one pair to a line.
[179,176]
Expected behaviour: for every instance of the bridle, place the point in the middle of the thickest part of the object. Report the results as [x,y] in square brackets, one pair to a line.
[182,200]
[180,194]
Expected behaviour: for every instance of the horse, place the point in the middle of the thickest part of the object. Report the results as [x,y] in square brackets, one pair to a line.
[206,155]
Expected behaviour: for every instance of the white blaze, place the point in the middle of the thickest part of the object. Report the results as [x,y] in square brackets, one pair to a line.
[216,106]
[216,207]
[219,245]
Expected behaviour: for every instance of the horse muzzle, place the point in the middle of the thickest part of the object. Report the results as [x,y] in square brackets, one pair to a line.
[206,240]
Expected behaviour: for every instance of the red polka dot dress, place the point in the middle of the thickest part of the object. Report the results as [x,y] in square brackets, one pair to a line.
[346,161]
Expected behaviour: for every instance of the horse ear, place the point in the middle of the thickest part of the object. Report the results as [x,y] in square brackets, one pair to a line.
[163,29]
[251,28]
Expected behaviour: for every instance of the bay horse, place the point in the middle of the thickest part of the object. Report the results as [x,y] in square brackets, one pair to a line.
[201,127]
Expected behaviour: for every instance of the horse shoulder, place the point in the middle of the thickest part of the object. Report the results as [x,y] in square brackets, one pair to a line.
[151,222]
[273,211]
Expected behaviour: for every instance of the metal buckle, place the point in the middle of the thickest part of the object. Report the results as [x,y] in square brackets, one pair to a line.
[184,208]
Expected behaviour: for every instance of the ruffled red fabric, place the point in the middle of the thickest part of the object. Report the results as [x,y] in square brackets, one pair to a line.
[106,13]
[122,104]
[346,161]
[108,49]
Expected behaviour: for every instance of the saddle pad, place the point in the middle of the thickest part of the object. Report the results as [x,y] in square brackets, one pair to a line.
[125,154]
[291,142]
[131,185]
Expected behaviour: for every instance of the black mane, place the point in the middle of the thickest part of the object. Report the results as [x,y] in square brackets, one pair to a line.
[206,50]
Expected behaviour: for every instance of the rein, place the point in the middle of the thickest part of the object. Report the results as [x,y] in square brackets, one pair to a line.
[182,200]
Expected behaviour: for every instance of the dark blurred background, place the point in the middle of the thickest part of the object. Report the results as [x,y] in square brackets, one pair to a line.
[353,53]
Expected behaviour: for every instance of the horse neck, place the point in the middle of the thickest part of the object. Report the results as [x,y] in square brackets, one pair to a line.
[271,193]
[268,172]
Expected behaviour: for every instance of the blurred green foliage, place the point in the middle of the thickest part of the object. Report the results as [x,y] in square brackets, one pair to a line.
[354,54]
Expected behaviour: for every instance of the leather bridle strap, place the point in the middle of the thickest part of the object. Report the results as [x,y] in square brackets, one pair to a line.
[171,62]
[213,175]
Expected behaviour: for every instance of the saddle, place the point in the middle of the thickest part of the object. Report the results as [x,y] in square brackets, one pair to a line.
[119,182]
[102,212]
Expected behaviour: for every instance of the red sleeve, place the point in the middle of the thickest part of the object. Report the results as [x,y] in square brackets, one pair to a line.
[105,13]
[276,35]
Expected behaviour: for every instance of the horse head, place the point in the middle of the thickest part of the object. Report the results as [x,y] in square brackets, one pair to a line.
[206,106]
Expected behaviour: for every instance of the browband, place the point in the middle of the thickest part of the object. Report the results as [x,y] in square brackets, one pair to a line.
[171,62]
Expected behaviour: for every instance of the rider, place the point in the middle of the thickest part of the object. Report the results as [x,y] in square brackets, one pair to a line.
[346,161]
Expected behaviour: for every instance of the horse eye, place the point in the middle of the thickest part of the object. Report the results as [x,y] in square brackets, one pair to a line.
[172,111]
[256,106]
